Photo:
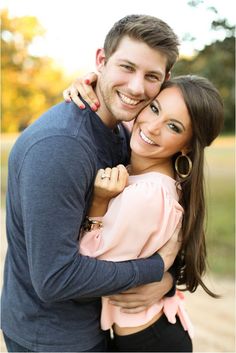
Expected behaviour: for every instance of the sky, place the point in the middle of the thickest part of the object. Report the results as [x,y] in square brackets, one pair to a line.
[76,28]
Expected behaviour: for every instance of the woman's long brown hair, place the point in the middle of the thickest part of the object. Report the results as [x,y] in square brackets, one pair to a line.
[205,108]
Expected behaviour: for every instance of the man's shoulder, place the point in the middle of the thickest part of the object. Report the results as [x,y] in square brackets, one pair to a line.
[62,120]
[61,128]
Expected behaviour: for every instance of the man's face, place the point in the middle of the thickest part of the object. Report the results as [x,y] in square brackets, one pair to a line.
[129,80]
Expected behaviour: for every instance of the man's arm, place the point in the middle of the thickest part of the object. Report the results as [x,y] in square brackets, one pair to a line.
[139,298]
[53,187]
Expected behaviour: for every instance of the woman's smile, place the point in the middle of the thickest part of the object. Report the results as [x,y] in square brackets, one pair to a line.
[146,139]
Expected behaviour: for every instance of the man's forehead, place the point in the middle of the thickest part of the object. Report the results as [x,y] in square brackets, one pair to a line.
[139,55]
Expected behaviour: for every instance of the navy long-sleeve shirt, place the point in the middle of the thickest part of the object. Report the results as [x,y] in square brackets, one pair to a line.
[51,293]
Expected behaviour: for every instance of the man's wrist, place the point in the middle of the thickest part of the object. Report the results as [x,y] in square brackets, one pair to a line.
[172,290]
[150,269]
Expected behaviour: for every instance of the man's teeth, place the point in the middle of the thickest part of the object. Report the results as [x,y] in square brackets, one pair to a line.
[146,139]
[128,100]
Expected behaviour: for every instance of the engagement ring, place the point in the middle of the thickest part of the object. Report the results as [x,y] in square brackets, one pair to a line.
[104,175]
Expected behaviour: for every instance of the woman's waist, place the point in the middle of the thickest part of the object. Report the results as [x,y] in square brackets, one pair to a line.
[123,331]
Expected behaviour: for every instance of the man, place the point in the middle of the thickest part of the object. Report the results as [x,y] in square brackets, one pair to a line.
[51,293]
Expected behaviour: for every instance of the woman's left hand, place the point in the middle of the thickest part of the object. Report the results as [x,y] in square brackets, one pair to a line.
[108,184]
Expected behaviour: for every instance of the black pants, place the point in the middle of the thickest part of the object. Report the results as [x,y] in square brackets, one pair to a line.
[161,336]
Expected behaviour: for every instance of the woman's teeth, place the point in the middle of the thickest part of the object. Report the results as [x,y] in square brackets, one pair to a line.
[146,139]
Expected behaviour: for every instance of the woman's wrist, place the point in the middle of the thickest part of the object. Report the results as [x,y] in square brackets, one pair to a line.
[92,223]
[98,207]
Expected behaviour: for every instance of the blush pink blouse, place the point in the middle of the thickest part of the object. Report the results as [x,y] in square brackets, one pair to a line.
[137,223]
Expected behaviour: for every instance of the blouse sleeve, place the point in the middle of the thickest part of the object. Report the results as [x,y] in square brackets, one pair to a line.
[138,222]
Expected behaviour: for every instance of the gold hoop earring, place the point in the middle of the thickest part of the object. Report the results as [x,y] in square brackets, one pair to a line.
[180,165]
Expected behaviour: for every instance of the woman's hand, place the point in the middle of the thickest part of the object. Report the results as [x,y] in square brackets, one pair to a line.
[83,86]
[108,184]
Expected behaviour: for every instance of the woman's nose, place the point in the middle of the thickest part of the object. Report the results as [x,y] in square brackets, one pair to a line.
[155,126]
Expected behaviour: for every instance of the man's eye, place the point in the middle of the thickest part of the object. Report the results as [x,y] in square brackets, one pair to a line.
[154,78]
[127,67]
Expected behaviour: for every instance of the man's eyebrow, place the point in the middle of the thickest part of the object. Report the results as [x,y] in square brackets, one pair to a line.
[127,62]
[157,72]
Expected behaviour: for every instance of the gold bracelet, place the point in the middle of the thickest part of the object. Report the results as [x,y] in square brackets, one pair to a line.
[91,224]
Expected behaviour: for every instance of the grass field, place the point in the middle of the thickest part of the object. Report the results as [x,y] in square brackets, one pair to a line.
[220,196]
[220,182]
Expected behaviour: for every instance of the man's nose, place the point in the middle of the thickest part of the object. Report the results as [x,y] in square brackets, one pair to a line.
[136,85]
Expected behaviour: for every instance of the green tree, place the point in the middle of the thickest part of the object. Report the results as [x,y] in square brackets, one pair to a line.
[216,62]
[30,84]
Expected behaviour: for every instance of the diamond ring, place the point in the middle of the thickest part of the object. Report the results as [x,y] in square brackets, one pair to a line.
[104,175]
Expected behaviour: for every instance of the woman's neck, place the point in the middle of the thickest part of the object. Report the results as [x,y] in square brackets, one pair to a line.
[140,165]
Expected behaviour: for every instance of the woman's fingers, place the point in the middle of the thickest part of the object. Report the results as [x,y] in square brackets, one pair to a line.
[74,94]
[66,95]
[71,94]
[84,87]
[88,83]
[111,181]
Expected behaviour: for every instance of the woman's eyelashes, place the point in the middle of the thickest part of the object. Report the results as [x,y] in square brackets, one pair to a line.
[174,128]
[155,109]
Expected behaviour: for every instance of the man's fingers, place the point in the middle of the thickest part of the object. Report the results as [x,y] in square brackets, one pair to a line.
[125,304]
[133,310]
[129,299]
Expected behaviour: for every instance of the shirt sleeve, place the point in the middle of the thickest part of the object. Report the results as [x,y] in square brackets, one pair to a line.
[138,222]
[53,184]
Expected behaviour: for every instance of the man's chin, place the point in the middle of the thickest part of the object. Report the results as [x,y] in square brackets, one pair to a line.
[122,115]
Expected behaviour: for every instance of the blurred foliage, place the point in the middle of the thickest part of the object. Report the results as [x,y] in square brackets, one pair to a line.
[30,84]
[216,62]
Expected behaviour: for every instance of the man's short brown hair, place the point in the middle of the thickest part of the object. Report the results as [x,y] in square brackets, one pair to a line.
[148,29]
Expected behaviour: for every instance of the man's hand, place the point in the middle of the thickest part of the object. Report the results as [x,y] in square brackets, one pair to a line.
[140,298]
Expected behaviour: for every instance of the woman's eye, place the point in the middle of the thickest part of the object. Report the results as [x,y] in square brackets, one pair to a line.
[174,127]
[154,109]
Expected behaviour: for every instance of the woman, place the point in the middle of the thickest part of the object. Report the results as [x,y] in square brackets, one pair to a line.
[164,192]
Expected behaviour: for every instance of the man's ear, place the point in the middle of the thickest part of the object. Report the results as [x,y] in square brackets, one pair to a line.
[100,59]
[168,76]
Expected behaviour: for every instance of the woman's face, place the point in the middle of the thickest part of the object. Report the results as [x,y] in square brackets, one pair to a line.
[163,128]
